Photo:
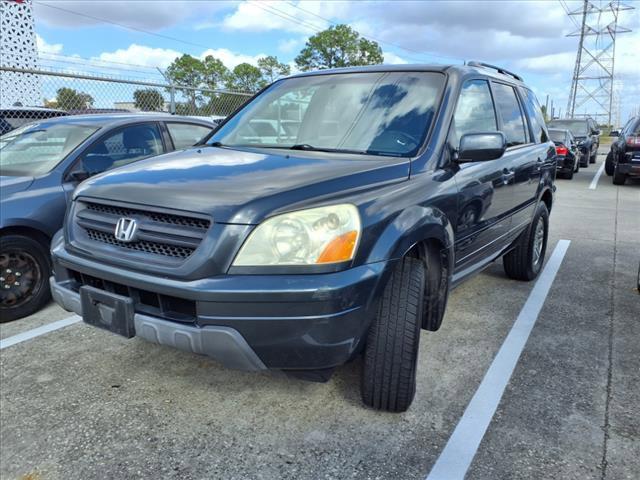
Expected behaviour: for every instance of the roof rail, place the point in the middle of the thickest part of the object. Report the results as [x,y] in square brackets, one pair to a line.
[499,69]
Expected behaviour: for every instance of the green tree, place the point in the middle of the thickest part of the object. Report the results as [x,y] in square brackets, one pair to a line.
[148,100]
[215,74]
[543,109]
[70,99]
[272,69]
[189,72]
[338,46]
[246,78]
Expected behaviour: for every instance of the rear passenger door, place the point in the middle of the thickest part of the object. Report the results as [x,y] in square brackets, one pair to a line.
[524,156]
[185,135]
[485,188]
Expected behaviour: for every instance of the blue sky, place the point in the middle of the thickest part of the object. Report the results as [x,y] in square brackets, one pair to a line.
[528,37]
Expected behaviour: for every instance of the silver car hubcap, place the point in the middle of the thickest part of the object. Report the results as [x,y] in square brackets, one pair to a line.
[538,242]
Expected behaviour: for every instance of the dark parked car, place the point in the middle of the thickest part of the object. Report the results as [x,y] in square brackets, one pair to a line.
[586,133]
[623,160]
[568,155]
[41,164]
[14,117]
[299,251]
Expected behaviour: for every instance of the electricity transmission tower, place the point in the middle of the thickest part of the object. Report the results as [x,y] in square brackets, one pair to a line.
[592,87]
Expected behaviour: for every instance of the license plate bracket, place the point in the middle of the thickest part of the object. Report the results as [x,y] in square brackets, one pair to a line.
[108,311]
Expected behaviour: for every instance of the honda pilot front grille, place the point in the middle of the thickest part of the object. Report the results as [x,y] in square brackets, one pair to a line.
[157,233]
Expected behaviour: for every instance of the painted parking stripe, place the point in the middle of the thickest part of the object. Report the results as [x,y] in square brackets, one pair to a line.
[455,459]
[596,177]
[36,332]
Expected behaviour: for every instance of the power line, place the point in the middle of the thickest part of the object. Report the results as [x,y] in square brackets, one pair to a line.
[166,37]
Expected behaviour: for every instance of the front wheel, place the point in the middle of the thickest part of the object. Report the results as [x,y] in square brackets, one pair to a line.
[525,261]
[391,353]
[24,277]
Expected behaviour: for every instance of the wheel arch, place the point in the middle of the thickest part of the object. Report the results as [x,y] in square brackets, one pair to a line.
[28,231]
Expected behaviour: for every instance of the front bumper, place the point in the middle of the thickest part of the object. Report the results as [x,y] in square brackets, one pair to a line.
[250,322]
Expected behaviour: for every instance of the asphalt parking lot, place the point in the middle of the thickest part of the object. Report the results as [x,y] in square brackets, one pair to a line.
[82,403]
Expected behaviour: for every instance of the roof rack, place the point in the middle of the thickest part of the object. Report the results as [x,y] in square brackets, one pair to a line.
[499,69]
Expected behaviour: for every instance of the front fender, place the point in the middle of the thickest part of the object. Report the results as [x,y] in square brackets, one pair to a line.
[413,225]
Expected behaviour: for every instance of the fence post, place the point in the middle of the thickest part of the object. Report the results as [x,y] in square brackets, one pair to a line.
[172,106]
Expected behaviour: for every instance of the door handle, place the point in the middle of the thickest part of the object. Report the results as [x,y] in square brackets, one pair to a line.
[507,175]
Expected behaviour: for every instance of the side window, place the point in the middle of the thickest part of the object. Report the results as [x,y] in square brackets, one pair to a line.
[187,134]
[474,111]
[124,146]
[536,118]
[513,125]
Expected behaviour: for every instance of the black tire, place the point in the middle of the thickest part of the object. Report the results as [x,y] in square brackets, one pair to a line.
[608,164]
[592,158]
[576,168]
[391,353]
[568,175]
[618,178]
[523,262]
[24,269]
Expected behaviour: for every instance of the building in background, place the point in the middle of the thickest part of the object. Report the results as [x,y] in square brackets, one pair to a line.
[18,49]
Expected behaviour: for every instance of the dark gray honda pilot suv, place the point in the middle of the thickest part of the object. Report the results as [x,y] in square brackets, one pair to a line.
[329,217]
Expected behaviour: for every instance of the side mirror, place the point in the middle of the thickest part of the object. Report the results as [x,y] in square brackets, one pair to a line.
[614,133]
[79,175]
[480,147]
[596,132]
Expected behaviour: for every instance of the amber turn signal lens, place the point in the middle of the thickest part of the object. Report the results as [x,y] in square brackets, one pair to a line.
[340,249]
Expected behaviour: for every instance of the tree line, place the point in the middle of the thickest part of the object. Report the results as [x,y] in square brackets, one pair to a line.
[336,47]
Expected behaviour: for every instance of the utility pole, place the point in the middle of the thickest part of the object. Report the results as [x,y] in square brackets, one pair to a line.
[592,84]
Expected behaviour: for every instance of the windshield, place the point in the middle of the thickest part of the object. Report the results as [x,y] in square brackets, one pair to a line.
[577,127]
[557,135]
[377,113]
[34,149]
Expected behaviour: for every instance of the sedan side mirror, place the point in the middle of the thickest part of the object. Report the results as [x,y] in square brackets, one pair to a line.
[614,133]
[596,132]
[480,147]
[79,175]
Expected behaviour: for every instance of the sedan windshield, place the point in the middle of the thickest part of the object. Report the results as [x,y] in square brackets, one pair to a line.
[35,149]
[577,127]
[377,113]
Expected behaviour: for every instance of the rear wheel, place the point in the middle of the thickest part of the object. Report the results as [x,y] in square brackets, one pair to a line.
[576,168]
[608,164]
[24,277]
[618,178]
[391,353]
[525,261]
[592,158]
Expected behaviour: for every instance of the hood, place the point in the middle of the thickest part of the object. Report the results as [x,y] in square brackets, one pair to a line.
[11,185]
[242,185]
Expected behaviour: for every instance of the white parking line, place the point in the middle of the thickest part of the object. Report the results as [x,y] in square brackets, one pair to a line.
[455,459]
[594,182]
[36,332]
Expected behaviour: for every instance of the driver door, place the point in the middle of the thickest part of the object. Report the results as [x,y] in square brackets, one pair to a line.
[485,188]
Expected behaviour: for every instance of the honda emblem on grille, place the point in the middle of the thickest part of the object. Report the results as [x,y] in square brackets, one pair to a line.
[126,229]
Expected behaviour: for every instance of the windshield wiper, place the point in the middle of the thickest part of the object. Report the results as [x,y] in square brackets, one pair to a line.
[310,148]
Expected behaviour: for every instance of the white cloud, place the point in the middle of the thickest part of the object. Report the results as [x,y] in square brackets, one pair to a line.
[44,47]
[231,59]
[391,58]
[141,55]
[290,45]
[146,14]
[274,15]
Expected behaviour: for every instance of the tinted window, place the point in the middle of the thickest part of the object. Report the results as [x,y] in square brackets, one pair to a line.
[535,117]
[577,127]
[124,146]
[474,111]
[376,113]
[507,104]
[186,134]
[35,149]
[558,135]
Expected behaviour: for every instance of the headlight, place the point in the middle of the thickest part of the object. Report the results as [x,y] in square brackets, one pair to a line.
[306,237]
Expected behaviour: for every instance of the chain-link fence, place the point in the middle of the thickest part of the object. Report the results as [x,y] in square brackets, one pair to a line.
[28,94]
